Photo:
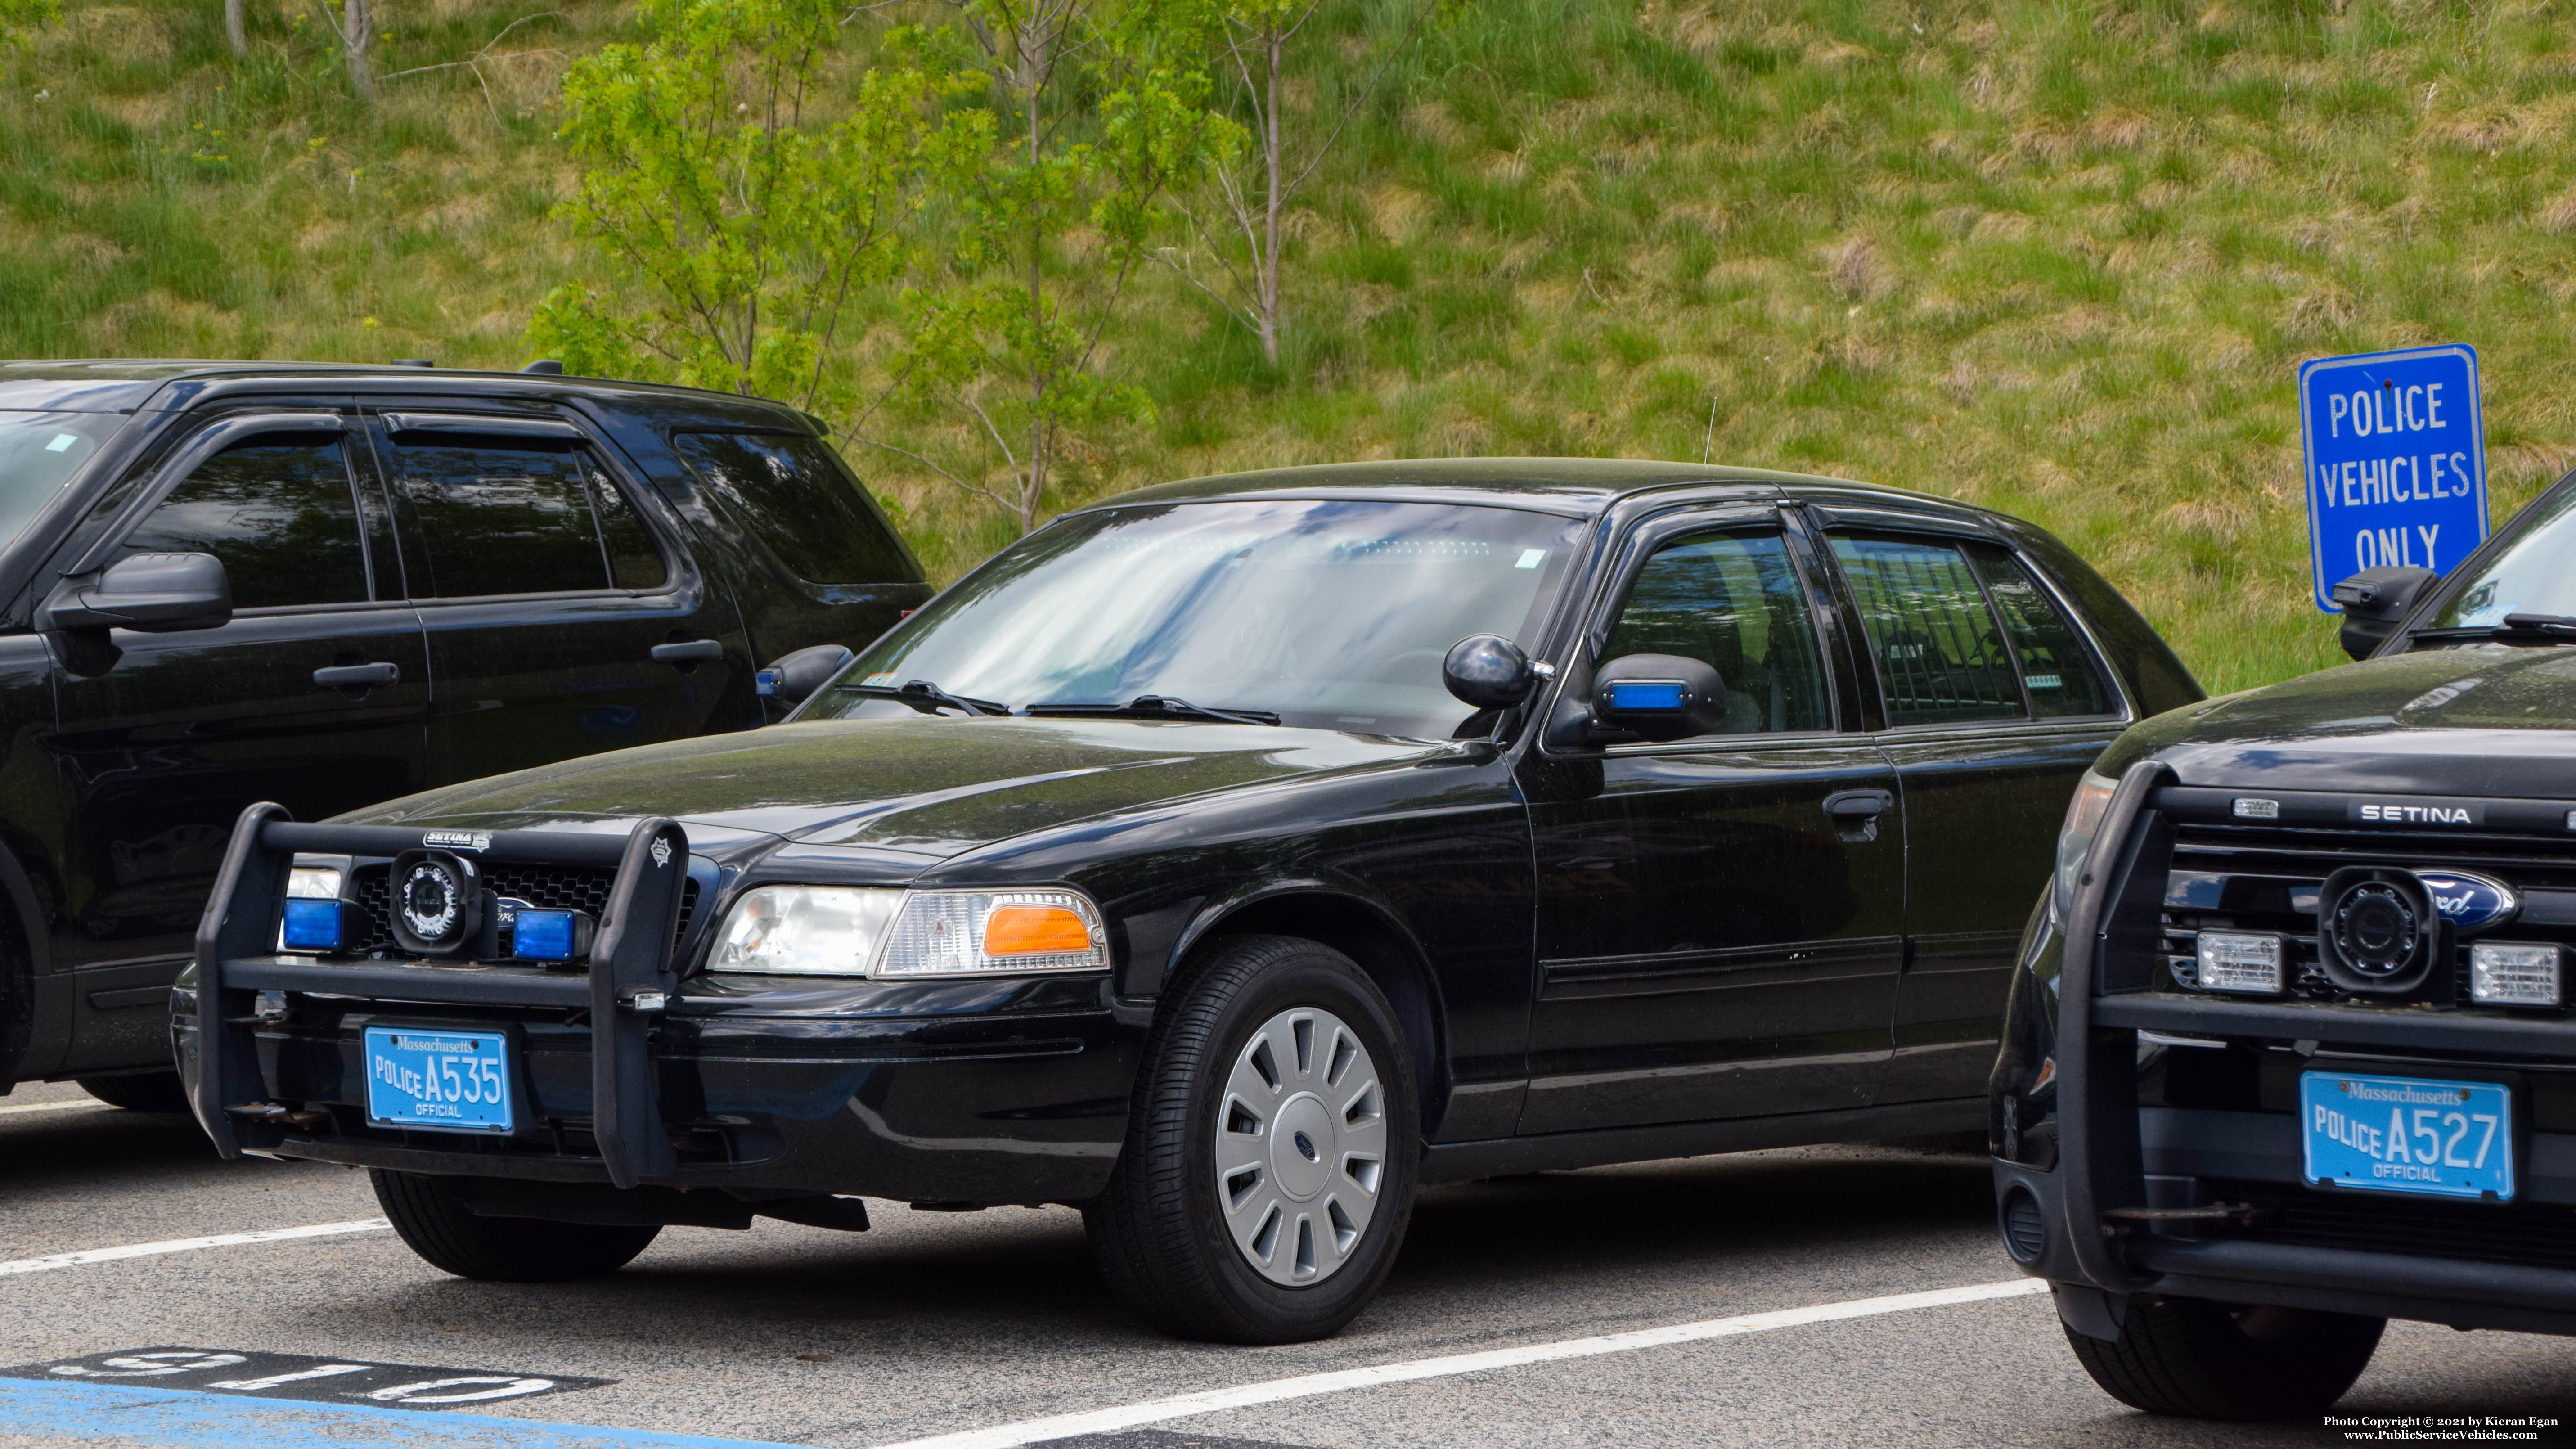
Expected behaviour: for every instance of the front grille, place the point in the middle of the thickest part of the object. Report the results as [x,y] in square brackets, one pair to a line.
[2258,879]
[547,887]
[2541,1235]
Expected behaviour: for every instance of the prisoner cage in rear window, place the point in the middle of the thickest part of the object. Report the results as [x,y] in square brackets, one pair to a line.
[807,509]
[1941,656]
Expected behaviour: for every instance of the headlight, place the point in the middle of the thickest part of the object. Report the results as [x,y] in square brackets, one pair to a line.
[2075,837]
[910,935]
[806,930]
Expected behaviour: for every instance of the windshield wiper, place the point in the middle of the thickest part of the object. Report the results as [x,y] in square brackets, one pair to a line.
[927,697]
[1159,706]
[2545,626]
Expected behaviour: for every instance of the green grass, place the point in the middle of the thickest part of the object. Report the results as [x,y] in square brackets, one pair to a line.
[2057,258]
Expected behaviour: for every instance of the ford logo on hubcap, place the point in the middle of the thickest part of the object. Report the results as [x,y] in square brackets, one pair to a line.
[2470,902]
[1306,1145]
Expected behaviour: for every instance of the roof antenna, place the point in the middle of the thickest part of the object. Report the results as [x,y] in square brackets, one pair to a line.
[546,366]
[1710,437]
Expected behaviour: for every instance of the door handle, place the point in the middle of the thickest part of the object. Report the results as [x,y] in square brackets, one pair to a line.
[1856,805]
[1855,813]
[356,676]
[688,651]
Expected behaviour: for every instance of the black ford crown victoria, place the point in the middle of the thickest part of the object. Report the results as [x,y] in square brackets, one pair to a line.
[1225,859]
[2290,1050]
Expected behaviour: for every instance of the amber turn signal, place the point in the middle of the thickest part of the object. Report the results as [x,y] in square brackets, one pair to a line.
[1034,931]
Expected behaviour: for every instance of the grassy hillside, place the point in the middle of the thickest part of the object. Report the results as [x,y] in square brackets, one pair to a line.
[2059,258]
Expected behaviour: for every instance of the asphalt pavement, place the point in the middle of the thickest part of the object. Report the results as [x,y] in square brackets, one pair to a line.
[1793,1297]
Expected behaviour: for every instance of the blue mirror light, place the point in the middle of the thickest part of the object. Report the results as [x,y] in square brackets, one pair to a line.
[1645,694]
[313,925]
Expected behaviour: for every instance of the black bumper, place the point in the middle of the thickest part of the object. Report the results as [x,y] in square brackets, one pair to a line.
[2107,1196]
[968,1092]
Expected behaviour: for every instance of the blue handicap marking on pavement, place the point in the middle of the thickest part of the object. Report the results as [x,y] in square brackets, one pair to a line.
[2396,461]
[171,1418]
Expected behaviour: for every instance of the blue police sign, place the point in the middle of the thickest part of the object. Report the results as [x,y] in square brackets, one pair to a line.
[2397,461]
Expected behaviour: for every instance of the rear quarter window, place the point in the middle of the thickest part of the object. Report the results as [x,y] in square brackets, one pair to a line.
[802,503]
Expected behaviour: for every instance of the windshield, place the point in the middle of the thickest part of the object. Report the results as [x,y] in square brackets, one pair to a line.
[2535,573]
[1332,615]
[39,453]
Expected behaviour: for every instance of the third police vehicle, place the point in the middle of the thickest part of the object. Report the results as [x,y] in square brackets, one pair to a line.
[2292,1045]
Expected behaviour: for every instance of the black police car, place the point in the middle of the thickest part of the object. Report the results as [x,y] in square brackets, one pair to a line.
[2290,1051]
[329,586]
[1226,859]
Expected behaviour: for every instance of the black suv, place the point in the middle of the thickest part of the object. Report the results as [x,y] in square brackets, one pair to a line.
[328,586]
[1224,858]
[2291,1050]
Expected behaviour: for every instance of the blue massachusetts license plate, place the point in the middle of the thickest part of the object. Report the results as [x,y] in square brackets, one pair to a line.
[456,1080]
[2406,1134]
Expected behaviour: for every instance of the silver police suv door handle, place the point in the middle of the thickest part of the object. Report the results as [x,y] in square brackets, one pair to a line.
[356,676]
[688,651]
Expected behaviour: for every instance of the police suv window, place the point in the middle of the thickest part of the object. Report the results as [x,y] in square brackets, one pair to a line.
[1941,657]
[633,561]
[499,517]
[2056,668]
[806,507]
[278,511]
[1733,602]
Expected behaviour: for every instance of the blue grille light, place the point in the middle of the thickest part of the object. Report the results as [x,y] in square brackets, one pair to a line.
[542,935]
[1644,694]
[313,925]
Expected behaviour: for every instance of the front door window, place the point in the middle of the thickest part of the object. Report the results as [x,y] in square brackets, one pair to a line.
[1733,602]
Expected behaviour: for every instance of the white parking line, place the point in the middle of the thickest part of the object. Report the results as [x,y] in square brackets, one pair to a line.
[83,1106]
[1155,1411]
[187,1245]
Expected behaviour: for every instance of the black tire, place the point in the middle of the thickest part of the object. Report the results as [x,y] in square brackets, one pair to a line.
[2197,1359]
[141,1092]
[1160,1234]
[428,1215]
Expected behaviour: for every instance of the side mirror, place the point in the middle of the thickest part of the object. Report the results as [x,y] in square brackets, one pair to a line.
[2376,601]
[155,593]
[1659,696]
[1490,672]
[792,678]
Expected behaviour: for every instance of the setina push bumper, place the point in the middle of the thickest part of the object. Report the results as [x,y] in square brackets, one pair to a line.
[512,1008]
[2291,1065]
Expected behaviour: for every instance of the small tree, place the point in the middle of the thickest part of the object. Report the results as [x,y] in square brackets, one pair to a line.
[1256,41]
[1096,109]
[734,228]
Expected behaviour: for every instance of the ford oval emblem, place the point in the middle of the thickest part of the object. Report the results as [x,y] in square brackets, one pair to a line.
[2470,902]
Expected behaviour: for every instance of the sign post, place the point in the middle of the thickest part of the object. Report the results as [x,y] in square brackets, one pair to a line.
[2397,461]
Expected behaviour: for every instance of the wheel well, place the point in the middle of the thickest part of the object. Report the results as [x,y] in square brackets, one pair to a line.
[1381,950]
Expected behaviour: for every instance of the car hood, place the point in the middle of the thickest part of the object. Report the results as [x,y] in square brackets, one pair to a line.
[2491,721]
[926,787]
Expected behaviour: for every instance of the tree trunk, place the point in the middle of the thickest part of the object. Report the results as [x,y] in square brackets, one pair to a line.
[357,32]
[234,30]
[1267,273]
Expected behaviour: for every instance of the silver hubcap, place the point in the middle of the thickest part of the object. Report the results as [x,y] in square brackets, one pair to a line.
[1300,1146]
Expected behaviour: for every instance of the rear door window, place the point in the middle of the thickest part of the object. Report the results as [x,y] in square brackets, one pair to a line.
[1940,652]
[279,511]
[2056,668]
[506,516]
[805,507]
[1732,601]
